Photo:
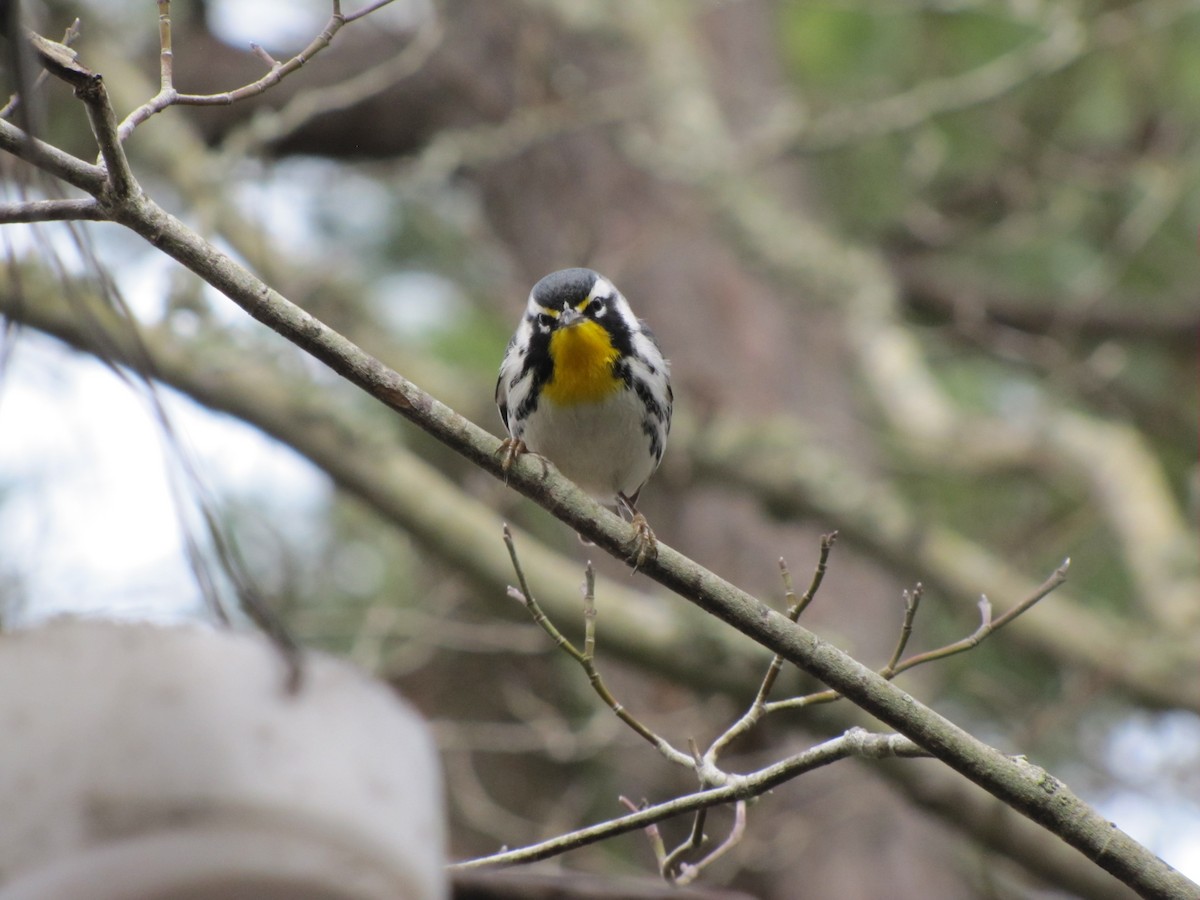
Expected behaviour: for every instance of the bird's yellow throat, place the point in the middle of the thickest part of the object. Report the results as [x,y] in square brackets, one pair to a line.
[583,356]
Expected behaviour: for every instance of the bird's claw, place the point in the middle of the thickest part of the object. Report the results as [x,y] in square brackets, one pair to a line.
[510,449]
[645,544]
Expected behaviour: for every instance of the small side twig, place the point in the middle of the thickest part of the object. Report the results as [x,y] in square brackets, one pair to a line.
[103,120]
[688,872]
[586,658]
[718,786]
[758,707]
[269,127]
[653,834]
[912,600]
[987,627]
[524,595]
[670,866]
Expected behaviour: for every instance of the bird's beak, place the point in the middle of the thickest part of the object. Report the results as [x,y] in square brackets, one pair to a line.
[568,317]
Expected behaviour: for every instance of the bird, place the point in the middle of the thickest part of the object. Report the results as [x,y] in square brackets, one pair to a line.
[584,384]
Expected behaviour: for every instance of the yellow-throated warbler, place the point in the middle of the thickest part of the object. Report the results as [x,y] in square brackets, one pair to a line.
[584,384]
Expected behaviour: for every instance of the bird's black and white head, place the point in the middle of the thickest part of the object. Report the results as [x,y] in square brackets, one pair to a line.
[570,296]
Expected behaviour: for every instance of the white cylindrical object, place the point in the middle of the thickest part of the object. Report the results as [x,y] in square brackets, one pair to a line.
[143,762]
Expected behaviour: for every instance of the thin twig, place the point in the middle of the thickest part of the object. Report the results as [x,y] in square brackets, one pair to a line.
[270,127]
[103,120]
[795,608]
[669,866]
[365,11]
[987,627]
[688,872]
[170,96]
[855,742]
[653,834]
[525,595]
[63,62]
[166,55]
[593,674]
[586,658]
[912,600]
[261,53]
[589,613]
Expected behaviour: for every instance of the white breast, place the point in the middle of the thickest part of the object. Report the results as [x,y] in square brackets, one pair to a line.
[600,446]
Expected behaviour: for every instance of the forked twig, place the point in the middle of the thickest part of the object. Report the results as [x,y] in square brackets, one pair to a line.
[586,658]
[688,872]
[719,787]
[670,865]
[795,608]
[268,127]
[987,627]
[168,95]
[856,742]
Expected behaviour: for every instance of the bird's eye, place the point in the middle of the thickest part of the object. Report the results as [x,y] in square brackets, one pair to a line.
[595,309]
[544,321]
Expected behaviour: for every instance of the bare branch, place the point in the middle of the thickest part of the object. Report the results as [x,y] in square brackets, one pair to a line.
[51,211]
[586,658]
[688,872]
[168,95]
[269,127]
[653,835]
[365,11]
[987,625]
[103,120]
[535,611]
[257,50]
[855,742]
[166,53]
[893,668]
[758,707]
[63,63]
[50,159]
[912,600]
[668,865]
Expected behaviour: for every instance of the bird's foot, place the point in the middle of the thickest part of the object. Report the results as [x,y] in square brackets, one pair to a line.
[510,449]
[645,544]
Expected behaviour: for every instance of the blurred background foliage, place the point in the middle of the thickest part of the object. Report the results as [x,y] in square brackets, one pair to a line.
[928,275]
